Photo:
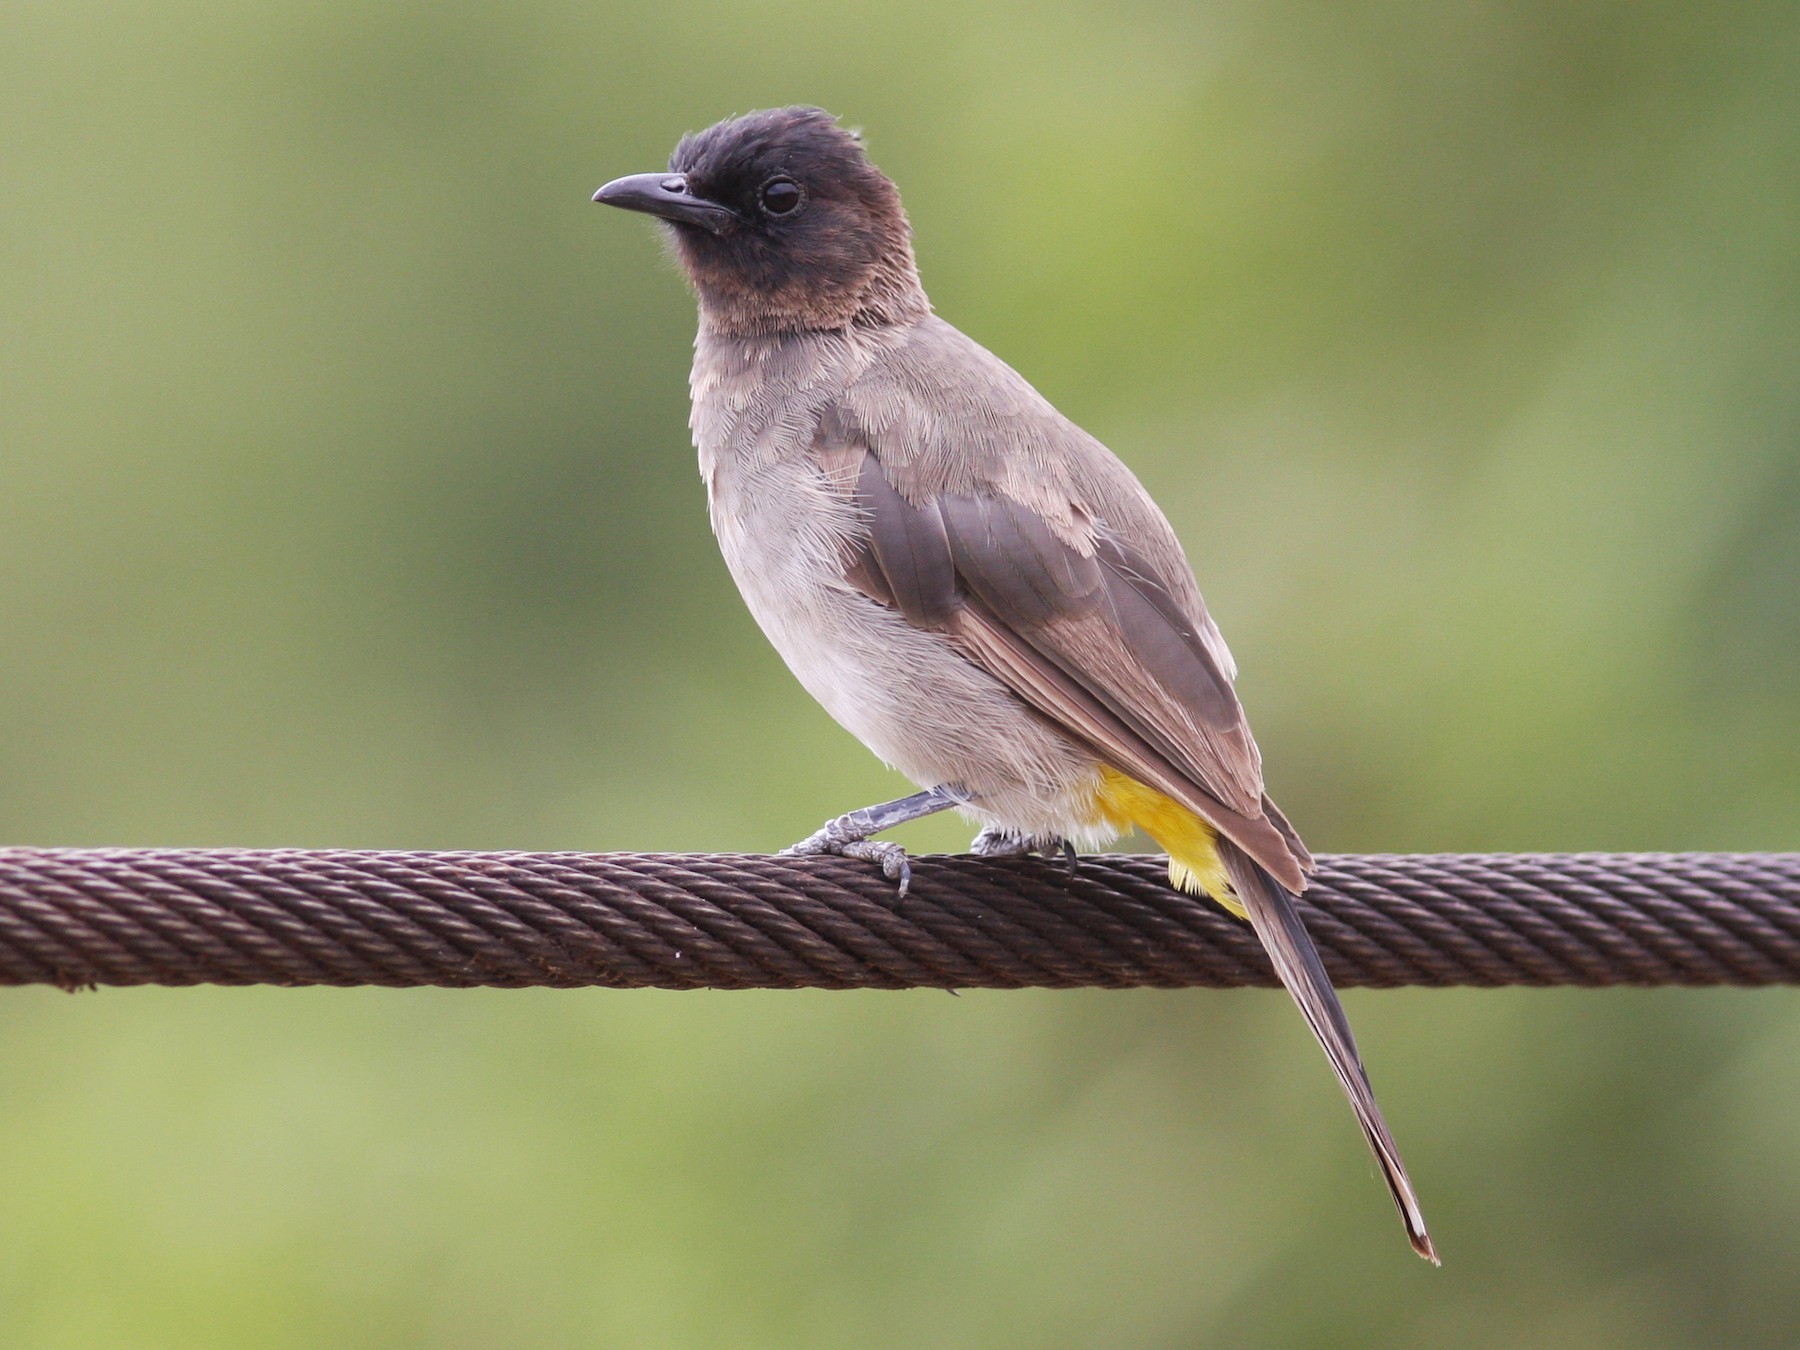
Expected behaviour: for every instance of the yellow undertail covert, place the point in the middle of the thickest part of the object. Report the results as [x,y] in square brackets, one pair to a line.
[1194,863]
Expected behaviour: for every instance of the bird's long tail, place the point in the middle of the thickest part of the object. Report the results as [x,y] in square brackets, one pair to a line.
[1202,862]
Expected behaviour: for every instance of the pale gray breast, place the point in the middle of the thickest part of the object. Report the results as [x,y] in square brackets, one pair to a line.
[786,525]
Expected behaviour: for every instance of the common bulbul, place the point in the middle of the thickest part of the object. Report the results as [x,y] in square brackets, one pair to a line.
[971,584]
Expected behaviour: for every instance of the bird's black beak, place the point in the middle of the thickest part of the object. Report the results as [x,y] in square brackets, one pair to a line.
[667,195]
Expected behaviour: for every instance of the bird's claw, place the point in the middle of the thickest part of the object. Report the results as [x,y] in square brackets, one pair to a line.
[846,837]
[895,865]
[992,843]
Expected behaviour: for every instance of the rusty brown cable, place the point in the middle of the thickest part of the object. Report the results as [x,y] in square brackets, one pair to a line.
[79,917]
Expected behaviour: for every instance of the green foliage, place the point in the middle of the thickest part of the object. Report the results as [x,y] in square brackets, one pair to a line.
[345,499]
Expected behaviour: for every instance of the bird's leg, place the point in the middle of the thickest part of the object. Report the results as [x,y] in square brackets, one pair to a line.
[993,843]
[848,835]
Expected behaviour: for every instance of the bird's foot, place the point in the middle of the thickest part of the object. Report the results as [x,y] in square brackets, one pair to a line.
[847,837]
[992,843]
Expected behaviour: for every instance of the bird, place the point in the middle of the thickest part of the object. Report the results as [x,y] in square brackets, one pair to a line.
[972,585]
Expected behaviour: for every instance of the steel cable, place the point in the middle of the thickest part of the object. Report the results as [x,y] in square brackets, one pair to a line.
[79,917]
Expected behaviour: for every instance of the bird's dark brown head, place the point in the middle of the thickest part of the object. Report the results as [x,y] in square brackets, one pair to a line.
[783,225]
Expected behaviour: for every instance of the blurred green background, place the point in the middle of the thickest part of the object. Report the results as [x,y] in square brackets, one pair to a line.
[346,500]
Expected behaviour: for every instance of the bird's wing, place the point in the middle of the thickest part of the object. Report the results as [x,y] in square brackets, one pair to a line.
[1042,559]
[1076,623]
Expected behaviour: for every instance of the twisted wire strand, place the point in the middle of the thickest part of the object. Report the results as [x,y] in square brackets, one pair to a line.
[81,917]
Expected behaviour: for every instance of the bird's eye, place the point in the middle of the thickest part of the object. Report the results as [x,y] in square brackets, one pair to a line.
[781,196]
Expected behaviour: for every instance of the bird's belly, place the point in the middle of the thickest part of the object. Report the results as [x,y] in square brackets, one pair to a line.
[905,692]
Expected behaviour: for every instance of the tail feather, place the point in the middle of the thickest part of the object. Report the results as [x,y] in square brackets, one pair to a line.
[1203,861]
[1277,923]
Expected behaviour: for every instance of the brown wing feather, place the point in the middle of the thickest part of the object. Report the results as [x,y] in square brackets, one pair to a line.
[1088,640]
[910,550]
[1072,705]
